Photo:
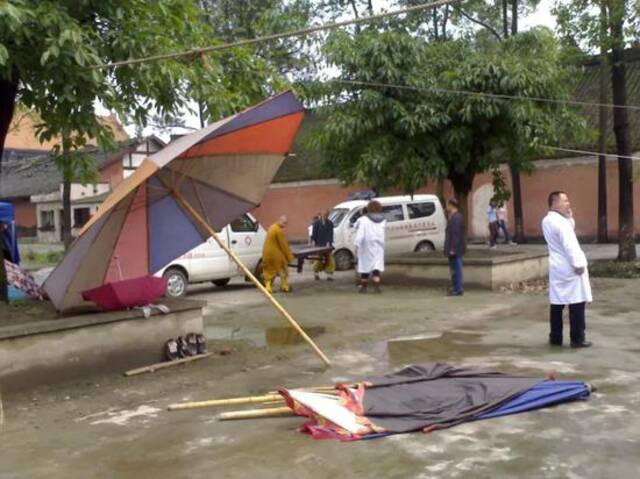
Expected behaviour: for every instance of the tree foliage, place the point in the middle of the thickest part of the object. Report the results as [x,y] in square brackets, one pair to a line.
[393,137]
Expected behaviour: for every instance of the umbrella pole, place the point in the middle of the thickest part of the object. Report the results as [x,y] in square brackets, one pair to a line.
[194,213]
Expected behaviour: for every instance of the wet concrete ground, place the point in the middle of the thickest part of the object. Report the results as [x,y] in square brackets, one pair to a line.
[111,426]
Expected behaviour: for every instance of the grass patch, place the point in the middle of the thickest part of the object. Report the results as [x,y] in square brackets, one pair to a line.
[44,259]
[615,269]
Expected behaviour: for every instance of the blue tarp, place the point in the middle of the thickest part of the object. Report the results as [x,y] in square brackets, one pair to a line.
[544,394]
[9,236]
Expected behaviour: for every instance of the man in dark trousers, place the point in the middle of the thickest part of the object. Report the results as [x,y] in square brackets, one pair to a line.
[454,246]
[322,235]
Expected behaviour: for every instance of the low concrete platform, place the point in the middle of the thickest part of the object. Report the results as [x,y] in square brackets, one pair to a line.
[59,349]
[480,271]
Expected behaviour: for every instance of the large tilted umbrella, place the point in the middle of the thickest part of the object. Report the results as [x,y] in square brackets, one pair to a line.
[178,198]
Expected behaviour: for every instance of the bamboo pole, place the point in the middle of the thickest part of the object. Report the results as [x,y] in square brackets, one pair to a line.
[165,364]
[225,402]
[256,413]
[194,213]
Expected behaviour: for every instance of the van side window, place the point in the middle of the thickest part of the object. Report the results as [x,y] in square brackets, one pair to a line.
[421,210]
[244,224]
[393,213]
[355,217]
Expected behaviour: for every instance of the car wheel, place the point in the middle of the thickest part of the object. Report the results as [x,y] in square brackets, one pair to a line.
[425,247]
[343,259]
[221,282]
[176,282]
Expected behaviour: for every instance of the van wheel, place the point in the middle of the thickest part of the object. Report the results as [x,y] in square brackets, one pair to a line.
[425,247]
[176,282]
[221,283]
[343,259]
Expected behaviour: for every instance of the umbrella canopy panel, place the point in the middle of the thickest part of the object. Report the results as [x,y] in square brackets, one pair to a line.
[221,171]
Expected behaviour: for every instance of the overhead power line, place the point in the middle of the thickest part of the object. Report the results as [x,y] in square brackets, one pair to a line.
[497,96]
[590,153]
[276,36]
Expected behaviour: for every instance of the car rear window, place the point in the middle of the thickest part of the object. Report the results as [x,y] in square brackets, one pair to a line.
[421,210]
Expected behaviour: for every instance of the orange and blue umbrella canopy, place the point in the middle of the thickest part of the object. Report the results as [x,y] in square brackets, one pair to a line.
[222,171]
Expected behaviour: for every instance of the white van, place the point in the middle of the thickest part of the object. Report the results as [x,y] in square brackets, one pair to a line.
[413,224]
[209,262]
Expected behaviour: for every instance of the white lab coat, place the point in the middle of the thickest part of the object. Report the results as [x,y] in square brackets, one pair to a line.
[369,242]
[565,254]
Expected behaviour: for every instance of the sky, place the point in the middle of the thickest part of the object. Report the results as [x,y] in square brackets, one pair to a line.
[542,16]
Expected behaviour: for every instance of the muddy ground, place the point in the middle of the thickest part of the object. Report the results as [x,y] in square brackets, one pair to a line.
[111,426]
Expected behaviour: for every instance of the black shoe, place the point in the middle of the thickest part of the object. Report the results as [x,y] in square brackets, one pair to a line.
[553,343]
[454,293]
[583,344]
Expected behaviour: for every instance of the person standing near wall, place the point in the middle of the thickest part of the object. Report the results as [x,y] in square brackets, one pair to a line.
[501,214]
[321,236]
[454,246]
[568,273]
[369,243]
[492,215]
[276,256]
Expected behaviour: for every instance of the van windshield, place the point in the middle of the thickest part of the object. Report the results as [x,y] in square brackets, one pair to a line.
[337,215]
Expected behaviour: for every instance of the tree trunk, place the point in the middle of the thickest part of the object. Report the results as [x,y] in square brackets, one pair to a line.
[505,18]
[462,184]
[440,192]
[514,17]
[626,240]
[518,214]
[8,92]
[603,234]
[67,178]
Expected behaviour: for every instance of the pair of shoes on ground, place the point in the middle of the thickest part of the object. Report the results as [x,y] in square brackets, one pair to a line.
[316,276]
[375,286]
[183,347]
[583,344]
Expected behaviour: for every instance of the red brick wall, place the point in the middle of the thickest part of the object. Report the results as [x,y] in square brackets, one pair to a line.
[25,213]
[301,202]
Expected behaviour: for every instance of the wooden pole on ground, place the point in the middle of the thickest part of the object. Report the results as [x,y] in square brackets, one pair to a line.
[194,213]
[226,402]
[165,364]
[256,413]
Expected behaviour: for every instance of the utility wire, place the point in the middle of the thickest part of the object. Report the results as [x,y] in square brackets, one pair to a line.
[497,96]
[590,153]
[276,36]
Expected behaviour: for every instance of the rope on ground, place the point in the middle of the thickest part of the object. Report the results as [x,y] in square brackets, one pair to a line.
[276,36]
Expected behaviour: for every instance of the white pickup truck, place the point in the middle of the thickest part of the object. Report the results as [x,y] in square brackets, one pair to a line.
[209,262]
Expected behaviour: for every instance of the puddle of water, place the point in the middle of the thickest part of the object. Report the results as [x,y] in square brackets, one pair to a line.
[277,336]
[434,346]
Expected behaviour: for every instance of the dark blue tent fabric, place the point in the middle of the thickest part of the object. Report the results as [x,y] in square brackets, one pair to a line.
[9,237]
[546,393]
[543,394]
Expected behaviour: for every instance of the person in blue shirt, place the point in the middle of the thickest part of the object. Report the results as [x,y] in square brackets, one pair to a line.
[492,214]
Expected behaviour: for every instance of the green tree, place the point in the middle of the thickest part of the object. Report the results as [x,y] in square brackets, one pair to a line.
[391,137]
[608,27]
[47,46]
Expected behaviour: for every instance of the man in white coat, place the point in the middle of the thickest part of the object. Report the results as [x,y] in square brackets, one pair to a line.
[369,243]
[568,274]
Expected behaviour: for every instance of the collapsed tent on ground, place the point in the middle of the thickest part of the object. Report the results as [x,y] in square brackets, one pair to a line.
[215,174]
[425,398]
